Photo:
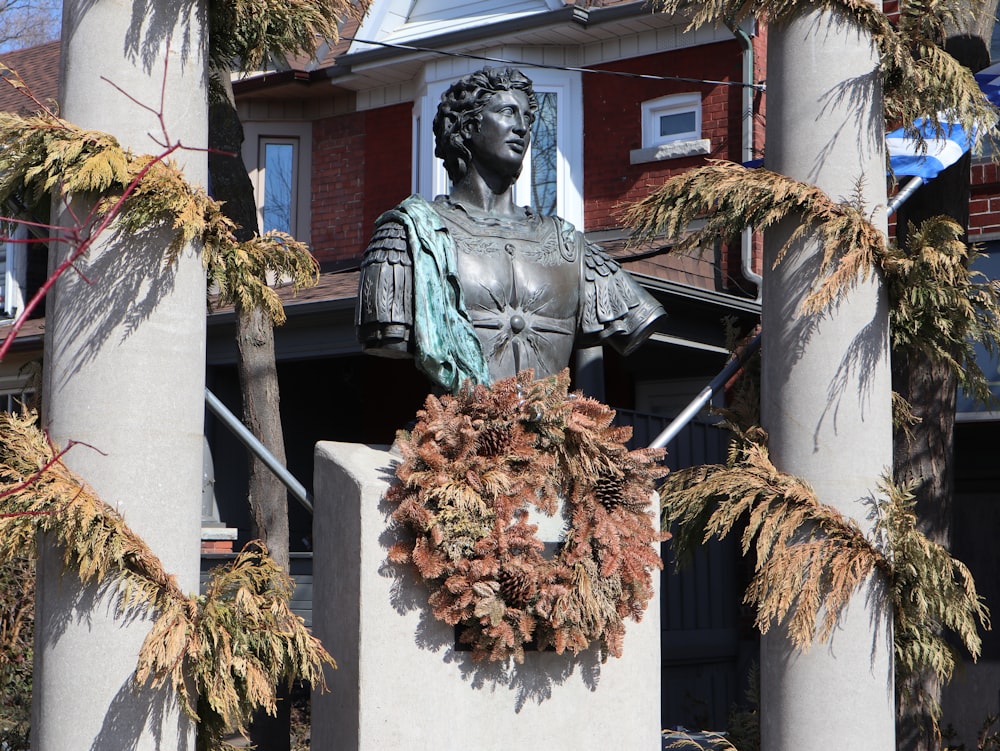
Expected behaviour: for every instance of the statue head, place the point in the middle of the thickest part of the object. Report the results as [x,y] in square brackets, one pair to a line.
[460,113]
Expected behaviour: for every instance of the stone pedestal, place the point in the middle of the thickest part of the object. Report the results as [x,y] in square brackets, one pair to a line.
[402,684]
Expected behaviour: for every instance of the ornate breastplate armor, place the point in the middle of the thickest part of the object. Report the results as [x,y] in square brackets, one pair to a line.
[531,288]
[520,278]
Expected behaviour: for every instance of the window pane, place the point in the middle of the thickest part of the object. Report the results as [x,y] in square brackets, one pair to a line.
[681,122]
[989,265]
[279,182]
[544,149]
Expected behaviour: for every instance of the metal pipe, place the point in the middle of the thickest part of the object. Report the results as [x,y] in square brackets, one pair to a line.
[240,430]
[905,192]
[692,409]
[746,118]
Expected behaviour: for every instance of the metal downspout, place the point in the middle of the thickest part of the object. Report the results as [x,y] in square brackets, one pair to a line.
[746,239]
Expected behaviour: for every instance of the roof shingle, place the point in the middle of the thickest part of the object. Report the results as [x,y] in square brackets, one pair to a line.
[38,67]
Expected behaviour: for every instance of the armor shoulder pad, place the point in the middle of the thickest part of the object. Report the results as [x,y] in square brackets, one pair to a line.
[388,245]
[598,263]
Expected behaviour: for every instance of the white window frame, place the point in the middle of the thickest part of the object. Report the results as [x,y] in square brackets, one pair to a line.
[15,270]
[657,148]
[430,178]
[674,104]
[259,133]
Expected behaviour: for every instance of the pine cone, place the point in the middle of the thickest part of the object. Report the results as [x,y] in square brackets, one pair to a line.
[517,587]
[608,490]
[495,440]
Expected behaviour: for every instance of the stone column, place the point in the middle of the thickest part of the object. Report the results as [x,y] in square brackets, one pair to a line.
[826,385]
[124,373]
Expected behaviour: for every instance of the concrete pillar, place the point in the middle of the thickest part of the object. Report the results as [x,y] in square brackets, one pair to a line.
[124,372]
[826,383]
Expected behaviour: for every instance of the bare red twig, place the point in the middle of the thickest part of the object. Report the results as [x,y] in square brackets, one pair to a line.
[56,459]
[76,235]
[14,80]
[158,112]
[81,248]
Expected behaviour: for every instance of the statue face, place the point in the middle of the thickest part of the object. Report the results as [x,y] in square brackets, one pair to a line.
[504,133]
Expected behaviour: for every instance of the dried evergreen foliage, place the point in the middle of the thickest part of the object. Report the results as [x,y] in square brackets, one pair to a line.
[137,194]
[730,198]
[234,644]
[240,271]
[680,740]
[472,467]
[17,606]
[810,559]
[938,306]
[920,80]
[247,34]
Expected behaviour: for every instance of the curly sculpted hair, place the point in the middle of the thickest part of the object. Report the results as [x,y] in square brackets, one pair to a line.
[461,108]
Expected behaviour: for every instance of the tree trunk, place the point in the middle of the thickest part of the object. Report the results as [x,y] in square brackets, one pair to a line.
[259,385]
[254,333]
[258,374]
[924,453]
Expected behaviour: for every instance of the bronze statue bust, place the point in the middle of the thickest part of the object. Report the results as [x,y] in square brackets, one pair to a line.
[475,287]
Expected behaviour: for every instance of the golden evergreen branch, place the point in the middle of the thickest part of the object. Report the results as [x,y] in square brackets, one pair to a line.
[729,198]
[939,306]
[236,643]
[247,34]
[810,559]
[143,194]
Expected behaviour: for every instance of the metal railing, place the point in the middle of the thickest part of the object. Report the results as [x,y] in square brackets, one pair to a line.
[231,421]
[705,396]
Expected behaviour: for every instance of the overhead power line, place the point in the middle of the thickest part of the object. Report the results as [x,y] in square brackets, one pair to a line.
[527,64]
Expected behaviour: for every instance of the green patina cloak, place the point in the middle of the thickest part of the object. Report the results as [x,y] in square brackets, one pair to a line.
[446,349]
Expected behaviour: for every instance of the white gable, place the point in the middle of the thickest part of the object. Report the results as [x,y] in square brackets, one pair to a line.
[403,21]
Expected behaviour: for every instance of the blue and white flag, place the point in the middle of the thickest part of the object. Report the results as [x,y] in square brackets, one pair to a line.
[989,81]
[940,149]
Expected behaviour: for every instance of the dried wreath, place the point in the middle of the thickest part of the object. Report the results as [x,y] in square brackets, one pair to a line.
[474,464]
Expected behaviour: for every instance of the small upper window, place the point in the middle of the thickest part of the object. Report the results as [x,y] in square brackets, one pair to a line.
[278,158]
[671,118]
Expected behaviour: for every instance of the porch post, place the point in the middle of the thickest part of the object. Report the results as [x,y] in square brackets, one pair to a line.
[124,373]
[826,384]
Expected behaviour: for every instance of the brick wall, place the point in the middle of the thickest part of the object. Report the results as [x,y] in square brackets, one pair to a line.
[613,126]
[387,173]
[984,203]
[338,167]
[352,184]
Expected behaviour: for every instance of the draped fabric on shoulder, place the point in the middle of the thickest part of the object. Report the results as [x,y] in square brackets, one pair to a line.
[446,347]
[615,308]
